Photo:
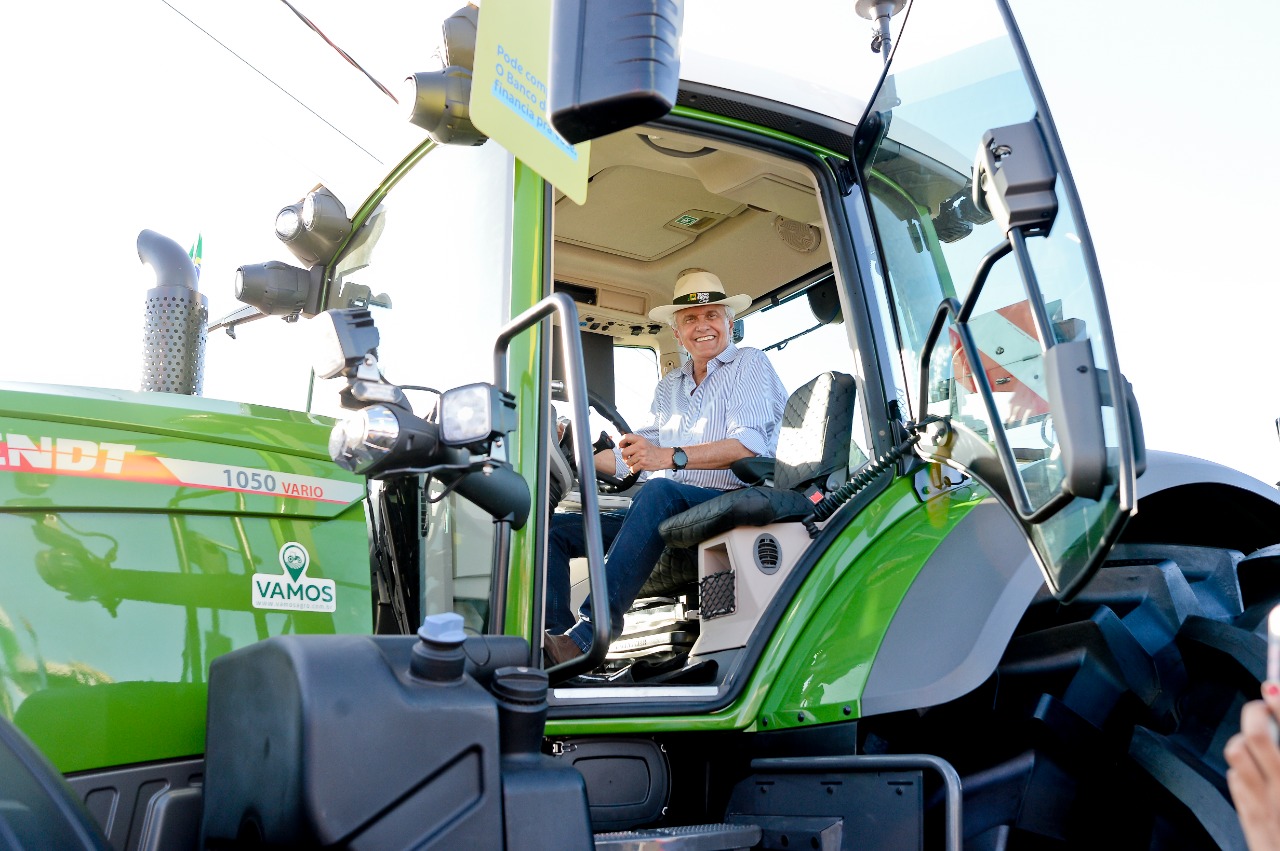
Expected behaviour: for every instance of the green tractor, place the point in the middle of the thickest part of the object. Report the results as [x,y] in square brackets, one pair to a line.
[963,607]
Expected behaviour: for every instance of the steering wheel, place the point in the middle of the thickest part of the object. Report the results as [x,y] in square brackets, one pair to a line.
[608,483]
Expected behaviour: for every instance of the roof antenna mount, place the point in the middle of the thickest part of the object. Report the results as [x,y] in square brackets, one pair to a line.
[879,12]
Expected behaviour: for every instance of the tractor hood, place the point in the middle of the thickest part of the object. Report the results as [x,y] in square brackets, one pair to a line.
[83,448]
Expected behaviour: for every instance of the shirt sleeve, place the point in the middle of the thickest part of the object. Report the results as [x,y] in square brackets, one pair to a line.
[756,406]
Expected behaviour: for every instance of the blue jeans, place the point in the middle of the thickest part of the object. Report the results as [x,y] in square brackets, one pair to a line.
[636,548]
[567,540]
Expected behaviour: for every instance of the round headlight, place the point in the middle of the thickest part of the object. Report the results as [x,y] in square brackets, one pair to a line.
[309,211]
[288,223]
[359,442]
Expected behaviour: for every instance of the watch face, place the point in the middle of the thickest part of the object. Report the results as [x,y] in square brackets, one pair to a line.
[679,459]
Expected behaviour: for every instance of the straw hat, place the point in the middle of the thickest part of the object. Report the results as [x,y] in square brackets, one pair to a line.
[696,287]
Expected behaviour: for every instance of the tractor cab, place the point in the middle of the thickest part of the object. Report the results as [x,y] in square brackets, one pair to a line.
[918,273]
[865,642]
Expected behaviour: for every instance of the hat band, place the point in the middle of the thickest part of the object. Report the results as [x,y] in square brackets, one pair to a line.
[699,298]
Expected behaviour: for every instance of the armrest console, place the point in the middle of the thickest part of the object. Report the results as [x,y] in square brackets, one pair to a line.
[754,470]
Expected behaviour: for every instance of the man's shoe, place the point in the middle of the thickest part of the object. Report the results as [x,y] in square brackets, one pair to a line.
[559,648]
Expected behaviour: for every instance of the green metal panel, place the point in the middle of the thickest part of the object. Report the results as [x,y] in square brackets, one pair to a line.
[527,288]
[818,657]
[136,528]
[838,621]
[86,448]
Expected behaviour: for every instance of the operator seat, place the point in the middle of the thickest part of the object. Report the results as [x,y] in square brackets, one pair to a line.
[812,460]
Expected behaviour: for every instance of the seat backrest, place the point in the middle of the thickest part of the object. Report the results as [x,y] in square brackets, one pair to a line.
[561,478]
[813,448]
[817,424]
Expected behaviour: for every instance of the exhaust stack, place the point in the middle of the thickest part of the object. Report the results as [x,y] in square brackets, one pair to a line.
[177,319]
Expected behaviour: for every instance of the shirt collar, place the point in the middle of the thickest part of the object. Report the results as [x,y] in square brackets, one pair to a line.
[727,356]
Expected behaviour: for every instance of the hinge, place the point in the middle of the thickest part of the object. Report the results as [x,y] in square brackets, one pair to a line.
[846,177]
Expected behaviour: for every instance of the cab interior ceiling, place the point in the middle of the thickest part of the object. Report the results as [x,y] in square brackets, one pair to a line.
[660,202]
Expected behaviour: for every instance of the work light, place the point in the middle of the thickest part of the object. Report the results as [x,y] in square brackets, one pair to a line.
[475,414]
[314,227]
[278,289]
[440,101]
[289,222]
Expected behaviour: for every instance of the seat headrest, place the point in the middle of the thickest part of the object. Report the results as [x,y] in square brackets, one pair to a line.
[817,425]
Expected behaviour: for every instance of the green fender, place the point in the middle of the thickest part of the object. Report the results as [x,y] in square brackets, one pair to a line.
[912,607]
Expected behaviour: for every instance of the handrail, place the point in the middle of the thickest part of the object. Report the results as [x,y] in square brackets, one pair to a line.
[576,383]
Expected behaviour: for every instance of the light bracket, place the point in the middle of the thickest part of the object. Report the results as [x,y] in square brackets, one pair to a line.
[345,338]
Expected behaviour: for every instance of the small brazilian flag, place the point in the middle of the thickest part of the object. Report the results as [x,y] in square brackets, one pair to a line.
[196,253]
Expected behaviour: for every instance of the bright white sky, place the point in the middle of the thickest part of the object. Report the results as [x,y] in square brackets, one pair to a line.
[124,116]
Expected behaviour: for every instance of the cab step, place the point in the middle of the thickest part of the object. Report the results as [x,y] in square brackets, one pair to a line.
[694,837]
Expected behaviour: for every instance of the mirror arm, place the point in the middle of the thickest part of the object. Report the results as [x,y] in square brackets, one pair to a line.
[961,313]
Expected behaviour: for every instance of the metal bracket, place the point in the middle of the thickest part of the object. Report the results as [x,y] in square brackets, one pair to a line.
[1013,179]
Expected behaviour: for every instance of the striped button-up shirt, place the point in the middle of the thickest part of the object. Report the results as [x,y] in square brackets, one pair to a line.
[741,397]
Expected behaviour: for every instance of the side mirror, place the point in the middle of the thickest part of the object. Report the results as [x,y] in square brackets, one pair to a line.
[1074,393]
[614,64]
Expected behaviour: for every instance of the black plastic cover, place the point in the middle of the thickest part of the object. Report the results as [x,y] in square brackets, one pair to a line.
[826,808]
[317,740]
[545,805]
[754,469]
[614,64]
[627,780]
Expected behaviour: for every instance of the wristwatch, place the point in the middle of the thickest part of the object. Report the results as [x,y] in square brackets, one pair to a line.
[679,459]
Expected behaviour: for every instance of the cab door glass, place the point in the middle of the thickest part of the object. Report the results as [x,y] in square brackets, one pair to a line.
[436,287]
[986,381]
[439,295]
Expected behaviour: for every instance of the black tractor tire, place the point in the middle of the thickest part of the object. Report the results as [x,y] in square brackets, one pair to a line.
[1104,723]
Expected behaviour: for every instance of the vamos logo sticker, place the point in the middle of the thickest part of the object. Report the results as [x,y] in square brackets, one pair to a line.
[293,590]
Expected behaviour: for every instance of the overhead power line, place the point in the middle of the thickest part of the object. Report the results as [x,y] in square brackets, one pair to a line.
[341,52]
[270,80]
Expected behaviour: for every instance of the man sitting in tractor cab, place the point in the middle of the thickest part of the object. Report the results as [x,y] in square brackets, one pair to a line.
[723,404]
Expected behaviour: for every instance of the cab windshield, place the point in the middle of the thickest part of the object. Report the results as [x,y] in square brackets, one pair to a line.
[935,239]
[1007,309]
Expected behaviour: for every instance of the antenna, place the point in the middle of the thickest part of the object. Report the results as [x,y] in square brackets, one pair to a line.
[879,12]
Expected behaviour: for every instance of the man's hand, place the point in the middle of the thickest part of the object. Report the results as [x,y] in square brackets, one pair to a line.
[639,454]
[1253,775]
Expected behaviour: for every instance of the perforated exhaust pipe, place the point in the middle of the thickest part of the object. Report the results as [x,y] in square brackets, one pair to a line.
[177,319]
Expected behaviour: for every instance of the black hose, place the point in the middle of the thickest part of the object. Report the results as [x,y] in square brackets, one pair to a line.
[857,484]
